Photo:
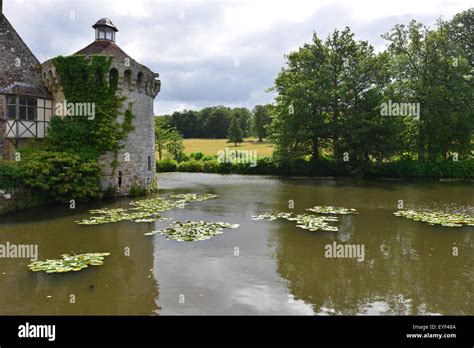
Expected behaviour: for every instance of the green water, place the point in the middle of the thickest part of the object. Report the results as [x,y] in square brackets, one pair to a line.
[263,267]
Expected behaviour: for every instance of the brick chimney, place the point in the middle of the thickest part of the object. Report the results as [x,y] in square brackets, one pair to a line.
[1,6]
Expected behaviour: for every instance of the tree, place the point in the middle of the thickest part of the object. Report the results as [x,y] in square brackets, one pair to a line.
[217,122]
[235,131]
[432,67]
[244,118]
[324,85]
[187,122]
[174,144]
[261,118]
[300,120]
[162,135]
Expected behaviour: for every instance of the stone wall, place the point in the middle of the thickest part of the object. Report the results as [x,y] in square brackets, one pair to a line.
[135,161]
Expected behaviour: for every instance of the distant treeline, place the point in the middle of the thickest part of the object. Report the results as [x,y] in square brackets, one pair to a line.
[213,122]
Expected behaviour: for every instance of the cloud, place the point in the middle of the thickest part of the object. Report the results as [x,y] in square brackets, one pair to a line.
[212,52]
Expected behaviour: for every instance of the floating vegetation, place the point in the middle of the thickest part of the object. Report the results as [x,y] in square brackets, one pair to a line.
[271,216]
[332,210]
[304,221]
[193,197]
[437,218]
[156,204]
[314,223]
[117,215]
[69,263]
[145,210]
[193,230]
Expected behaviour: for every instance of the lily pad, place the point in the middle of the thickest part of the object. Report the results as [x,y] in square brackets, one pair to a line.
[332,210]
[68,263]
[314,222]
[271,216]
[437,218]
[145,210]
[193,230]
[193,197]
[305,221]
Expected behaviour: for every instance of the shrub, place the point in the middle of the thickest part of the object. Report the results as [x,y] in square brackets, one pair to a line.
[190,166]
[62,175]
[212,166]
[416,169]
[11,175]
[181,157]
[208,158]
[196,155]
[136,190]
[166,165]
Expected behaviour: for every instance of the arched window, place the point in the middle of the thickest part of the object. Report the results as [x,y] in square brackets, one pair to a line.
[99,77]
[113,79]
[140,81]
[128,78]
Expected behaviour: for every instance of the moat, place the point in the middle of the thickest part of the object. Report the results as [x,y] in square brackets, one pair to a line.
[262,267]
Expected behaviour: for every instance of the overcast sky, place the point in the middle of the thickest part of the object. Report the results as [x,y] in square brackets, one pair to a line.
[212,52]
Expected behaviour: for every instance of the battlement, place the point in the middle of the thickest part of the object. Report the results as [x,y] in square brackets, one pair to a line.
[130,76]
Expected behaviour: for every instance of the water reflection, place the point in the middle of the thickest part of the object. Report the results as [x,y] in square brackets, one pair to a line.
[409,267]
[123,285]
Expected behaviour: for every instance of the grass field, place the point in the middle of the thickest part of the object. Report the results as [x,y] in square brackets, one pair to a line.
[212,146]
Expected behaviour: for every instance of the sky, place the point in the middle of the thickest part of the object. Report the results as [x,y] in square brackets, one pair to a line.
[212,52]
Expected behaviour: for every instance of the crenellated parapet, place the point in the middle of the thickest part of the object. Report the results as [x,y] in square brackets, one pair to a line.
[130,76]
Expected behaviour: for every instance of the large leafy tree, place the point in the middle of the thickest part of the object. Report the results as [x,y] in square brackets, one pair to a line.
[329,94]
[300,120]
[431,68]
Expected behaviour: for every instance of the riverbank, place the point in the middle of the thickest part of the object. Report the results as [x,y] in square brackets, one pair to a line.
[402,169]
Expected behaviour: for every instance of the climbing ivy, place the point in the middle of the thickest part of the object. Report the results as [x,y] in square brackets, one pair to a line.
[65,165]
[84,80]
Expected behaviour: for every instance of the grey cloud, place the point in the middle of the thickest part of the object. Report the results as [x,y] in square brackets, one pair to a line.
[178,48]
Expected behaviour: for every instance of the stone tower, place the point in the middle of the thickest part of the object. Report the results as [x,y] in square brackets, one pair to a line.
[139,86]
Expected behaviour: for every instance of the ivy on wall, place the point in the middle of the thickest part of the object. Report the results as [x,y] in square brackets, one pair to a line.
[65,166]
[85,79]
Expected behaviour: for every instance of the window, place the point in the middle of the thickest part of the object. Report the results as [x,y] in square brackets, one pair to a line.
[149,162]
[11,107]
[139,81]
[108,34]
[113,79]
[128,78]
[21,108]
